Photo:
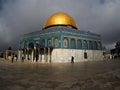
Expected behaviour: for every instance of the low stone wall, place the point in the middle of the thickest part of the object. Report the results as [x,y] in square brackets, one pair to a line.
[64,55]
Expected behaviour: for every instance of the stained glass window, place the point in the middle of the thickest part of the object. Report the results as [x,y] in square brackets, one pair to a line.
[49,42]
[65,42]
[56,42]
[95,45]
[79,44]
[90,45]
[85,44]
[72,43]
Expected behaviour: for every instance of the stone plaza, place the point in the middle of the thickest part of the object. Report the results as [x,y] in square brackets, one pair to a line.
[87,75]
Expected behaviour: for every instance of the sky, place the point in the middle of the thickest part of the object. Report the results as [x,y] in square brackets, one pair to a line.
[18,17]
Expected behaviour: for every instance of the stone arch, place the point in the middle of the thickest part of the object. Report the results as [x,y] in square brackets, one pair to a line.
[29,49]
[37,42]
[37,45]
[31,45]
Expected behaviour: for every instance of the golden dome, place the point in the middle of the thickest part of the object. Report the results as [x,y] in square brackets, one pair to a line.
[60,18]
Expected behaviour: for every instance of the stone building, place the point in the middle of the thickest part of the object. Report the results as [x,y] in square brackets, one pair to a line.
[59,40]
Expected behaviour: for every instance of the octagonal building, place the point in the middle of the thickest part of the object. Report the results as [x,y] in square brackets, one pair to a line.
[59,40]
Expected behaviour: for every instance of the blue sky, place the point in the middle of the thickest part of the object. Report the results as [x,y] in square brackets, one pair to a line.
[22,16]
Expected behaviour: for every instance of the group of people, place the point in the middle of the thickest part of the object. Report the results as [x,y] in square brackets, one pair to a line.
[15,57]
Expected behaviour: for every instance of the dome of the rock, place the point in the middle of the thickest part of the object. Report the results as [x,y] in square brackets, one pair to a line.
[60,18]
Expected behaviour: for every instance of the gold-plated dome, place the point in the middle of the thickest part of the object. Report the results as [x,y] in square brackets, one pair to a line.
[60,18]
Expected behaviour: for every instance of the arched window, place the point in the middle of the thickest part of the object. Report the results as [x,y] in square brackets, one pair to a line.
[99,45]
[78,44]
[84,44]
[56,42]
[43,42]
[72,44]
[95,45]
[25,44]
[65,42]
[49,42]
[90,45]
[31,45]
[37,45]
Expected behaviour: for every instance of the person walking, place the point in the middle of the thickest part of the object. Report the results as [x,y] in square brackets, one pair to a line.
[16,57]
[72,60]
[12,58]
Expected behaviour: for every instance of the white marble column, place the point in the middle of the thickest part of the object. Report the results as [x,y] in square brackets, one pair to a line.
[26,54]
[40,57]
[44,54]
[48,55]
[6,54]
[32,55]
[19,54]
